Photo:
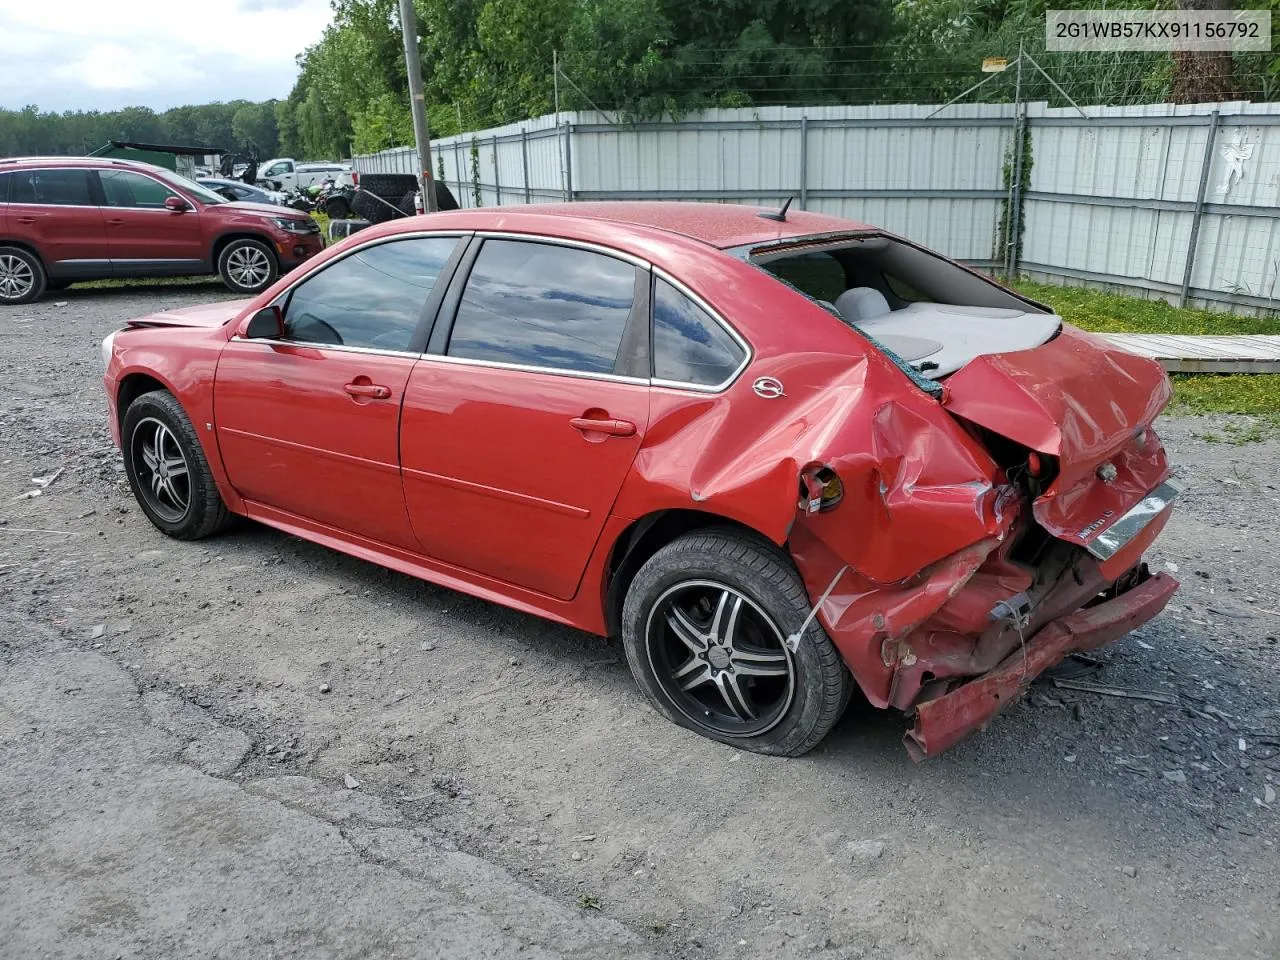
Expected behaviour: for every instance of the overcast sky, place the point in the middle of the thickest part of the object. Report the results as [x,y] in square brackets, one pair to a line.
[107,54]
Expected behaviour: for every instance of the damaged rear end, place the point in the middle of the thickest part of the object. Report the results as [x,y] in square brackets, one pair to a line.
[1076,486]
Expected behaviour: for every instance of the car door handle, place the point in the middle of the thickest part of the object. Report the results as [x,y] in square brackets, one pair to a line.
[116,222]
[26,220]
[614,428]
[372,390]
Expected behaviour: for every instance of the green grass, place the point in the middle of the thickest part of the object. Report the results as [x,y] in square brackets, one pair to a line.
[1257,395]
[1112,313]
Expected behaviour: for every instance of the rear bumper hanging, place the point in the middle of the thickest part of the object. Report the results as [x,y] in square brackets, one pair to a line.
[944,721]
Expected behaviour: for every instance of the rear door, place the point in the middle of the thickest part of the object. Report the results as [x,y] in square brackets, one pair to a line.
[55,211]
[142,235]
[309,425]
[522,421]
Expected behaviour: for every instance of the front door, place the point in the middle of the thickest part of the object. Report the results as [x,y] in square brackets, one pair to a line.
[309,424]
[518,432]
[144,237]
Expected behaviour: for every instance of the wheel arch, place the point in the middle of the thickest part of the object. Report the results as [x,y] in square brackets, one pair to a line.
[27,248]
[133,385]
[644,537]
[230,236]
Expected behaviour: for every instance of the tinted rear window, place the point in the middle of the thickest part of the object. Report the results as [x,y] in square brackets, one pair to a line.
[4,187]
[54,187]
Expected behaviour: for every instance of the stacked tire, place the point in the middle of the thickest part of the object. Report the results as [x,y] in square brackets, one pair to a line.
[388,196]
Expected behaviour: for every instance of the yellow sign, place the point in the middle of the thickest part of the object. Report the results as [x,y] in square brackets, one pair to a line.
[995,64]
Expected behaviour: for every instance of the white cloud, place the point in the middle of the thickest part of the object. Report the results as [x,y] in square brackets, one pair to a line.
[154,53]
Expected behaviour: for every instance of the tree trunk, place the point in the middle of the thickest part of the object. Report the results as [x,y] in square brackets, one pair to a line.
[1202,76]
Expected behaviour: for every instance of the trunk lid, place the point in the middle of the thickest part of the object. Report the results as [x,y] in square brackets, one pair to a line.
[1084,402]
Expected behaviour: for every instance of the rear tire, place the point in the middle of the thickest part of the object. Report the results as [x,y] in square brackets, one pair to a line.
[704,624]
[247,266]
[168,471]
[337,208]
[22,276]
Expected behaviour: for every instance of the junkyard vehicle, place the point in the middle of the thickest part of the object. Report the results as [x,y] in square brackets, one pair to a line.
[64,219]
[285,173]
[778,457]
[237,190]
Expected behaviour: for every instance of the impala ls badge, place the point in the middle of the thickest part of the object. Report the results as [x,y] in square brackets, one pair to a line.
[769,388]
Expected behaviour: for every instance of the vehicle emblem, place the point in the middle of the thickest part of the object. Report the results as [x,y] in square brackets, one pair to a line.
[1107,472]
[769,388]
[1087,531]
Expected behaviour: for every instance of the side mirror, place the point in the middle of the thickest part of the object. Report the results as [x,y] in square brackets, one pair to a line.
[176,205]
[266,324]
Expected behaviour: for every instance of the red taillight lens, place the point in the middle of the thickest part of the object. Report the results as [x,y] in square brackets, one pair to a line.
[355,177]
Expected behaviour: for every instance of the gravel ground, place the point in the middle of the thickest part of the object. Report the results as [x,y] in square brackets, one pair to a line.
[1078,824]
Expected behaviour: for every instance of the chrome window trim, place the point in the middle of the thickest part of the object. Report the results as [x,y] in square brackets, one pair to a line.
[338,347]
[749,353]
[530,368]
[284,295]
[739,339]
[630,258]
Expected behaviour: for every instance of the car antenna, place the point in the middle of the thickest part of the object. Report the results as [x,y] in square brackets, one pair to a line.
[780,215]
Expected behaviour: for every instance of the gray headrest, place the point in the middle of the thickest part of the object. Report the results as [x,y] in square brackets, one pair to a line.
[862,303]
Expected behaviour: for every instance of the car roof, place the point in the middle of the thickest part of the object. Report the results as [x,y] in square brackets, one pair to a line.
[721,225]
[16,163]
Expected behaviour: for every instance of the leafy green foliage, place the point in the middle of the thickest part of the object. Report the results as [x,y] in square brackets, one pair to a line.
[230,126]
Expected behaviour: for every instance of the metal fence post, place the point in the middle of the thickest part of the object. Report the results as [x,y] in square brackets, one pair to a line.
[1015,232]
[497,181]
[524,162]
[457,168]
[1210,136]
[568,161]
[804,163]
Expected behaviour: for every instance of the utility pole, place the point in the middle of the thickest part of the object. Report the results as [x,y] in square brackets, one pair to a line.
[418,105]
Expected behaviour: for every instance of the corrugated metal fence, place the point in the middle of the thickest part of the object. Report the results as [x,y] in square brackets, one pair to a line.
[1178,202]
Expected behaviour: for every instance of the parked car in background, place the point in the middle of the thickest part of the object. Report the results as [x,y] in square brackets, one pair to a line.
[285,173]
[64,219]
[783,456]
[237,190]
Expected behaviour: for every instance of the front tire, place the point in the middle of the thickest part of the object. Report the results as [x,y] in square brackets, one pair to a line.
[704,624]
[22,276]
[247,266]
[168,471]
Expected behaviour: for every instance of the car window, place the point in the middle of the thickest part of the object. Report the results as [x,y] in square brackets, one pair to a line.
[276,169]
[4,187]
[820,275]
[57,187]
[124,188]
[543,305]
[372,298]
[688,345]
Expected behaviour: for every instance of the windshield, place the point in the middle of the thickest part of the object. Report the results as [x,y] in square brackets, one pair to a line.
[203,194]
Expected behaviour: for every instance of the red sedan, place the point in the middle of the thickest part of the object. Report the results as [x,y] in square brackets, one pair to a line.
[778,457]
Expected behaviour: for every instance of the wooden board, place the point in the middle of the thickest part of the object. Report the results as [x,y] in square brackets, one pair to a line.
[1246,353]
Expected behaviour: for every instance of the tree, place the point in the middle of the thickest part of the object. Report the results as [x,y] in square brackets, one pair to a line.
[1202,76]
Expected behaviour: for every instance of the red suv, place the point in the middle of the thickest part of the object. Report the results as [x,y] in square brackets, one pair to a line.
[64,219]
